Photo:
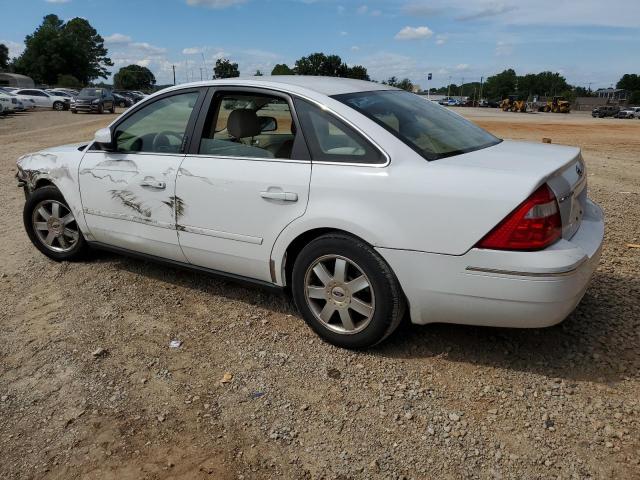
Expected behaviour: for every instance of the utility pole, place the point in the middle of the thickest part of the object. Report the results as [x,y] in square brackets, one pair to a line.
[174,74]
[201,77]
[480,95]
[461,87]
[449,87]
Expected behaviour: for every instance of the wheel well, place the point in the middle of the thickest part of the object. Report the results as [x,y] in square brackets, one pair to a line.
[44,183]
[296,246]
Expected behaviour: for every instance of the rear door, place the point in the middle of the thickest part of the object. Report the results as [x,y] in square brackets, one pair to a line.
[245,178]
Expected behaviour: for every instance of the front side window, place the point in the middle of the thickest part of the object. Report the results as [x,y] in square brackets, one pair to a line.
[249,125]
[158,127]
[431,130]
[331,140]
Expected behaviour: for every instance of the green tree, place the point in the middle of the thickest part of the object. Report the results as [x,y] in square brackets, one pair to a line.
[629,81]
[358,72]
[4,57]
[282,69]
[225,69]
[501,85]
[68,81]
[634,99]
[134,77]
[59,48]
[405,84]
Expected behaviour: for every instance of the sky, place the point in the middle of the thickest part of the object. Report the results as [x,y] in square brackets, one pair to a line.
[590,42]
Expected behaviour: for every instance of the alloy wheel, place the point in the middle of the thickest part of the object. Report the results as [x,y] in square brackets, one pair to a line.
[55,226]
[339,294]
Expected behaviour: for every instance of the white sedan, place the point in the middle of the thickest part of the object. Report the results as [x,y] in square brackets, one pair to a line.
[363,200]
[43,99]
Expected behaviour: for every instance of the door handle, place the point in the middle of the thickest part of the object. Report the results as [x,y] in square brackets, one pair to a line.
[153,184]
[283,196]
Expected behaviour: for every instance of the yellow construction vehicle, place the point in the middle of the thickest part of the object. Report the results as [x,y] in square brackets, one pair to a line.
[556,105]
[511,104]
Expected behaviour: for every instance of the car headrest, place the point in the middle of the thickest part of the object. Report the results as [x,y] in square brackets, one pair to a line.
[243,123]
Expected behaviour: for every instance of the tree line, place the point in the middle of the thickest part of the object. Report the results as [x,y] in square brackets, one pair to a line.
[72,54]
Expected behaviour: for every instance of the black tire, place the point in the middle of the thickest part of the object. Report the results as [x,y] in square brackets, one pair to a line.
[74,111]
[113,108]
[50,193]
[101,108]
[58,106]
[389,299]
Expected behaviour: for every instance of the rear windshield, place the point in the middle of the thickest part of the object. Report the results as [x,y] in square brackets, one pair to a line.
[430,129]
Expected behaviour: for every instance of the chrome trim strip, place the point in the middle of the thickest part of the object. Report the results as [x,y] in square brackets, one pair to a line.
[253,159]
[120,216]
[218,234]
[570,271]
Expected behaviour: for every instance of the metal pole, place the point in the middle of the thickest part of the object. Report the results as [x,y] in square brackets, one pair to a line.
[174,74]
[480,95]
[449,87]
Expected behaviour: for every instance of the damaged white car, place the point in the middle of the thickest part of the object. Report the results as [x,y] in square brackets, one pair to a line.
[363,200]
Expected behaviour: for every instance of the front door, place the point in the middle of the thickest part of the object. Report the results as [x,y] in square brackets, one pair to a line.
[246,178]
[128,194]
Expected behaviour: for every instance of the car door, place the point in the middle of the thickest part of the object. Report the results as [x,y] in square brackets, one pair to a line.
[245,178]
[128,193]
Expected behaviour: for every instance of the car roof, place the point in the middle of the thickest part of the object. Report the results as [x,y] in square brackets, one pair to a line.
[323,85]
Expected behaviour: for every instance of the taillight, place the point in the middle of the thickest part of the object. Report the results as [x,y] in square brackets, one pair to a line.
[534,225]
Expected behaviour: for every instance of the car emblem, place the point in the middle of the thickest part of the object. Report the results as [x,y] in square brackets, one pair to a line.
[579,169]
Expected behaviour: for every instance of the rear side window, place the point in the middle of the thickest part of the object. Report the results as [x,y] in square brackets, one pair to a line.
[331,140]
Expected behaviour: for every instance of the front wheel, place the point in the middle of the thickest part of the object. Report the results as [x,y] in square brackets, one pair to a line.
[58,106]
[51,226]
[346,292]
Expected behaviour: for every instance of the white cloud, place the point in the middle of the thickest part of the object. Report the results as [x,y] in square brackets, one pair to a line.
[518,12]
[58,1]
[504,48]
[414,33]
[376,13]
[462,67]
[191,51]
[117,38]
[355,48]
[214,3]
[487,12]
[341,9]
[441,39]
[15,48]
[343,33]
[362,9]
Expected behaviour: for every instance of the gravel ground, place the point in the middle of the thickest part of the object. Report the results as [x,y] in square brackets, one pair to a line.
[89,387]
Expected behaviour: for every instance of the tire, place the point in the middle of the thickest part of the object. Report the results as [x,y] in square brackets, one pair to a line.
[315,298]
[74,111]
[122,105]
[58,106]
[63,246]
[113,108]
[101,108]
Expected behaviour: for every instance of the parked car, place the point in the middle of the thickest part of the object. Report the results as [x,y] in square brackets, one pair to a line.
[605,111]
[96,100]
[43,99]
[408,206]
[8,105]
[629,112]
[69,91]
[122,101]
[135,98]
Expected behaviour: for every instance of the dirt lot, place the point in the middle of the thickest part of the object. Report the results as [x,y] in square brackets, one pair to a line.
[436,401]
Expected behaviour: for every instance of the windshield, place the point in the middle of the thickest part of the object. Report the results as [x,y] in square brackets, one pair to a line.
[431,130]
[91,92]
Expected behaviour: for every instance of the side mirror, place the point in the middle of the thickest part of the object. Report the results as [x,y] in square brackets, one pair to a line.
[268,124]
[103,138]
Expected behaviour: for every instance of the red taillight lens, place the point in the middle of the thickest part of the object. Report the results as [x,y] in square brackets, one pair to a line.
[534,225]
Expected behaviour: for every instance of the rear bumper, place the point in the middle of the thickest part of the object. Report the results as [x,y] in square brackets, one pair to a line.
[500,288]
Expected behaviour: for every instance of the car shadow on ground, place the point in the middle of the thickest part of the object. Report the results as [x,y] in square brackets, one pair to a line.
[597,342]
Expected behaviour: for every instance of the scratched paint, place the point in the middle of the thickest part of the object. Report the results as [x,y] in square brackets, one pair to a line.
[176,204]
[130,200]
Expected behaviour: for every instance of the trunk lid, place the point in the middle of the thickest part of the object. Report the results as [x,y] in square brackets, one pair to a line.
[561,167]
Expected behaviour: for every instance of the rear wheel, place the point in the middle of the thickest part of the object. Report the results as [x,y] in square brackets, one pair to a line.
[346,292]
[58,106]
[51,226]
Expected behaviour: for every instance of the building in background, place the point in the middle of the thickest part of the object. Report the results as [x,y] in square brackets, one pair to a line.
[15,80]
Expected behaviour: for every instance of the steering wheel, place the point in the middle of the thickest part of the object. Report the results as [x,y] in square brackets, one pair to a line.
[161,141]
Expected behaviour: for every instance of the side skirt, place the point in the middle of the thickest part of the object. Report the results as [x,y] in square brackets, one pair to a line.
[209,271]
